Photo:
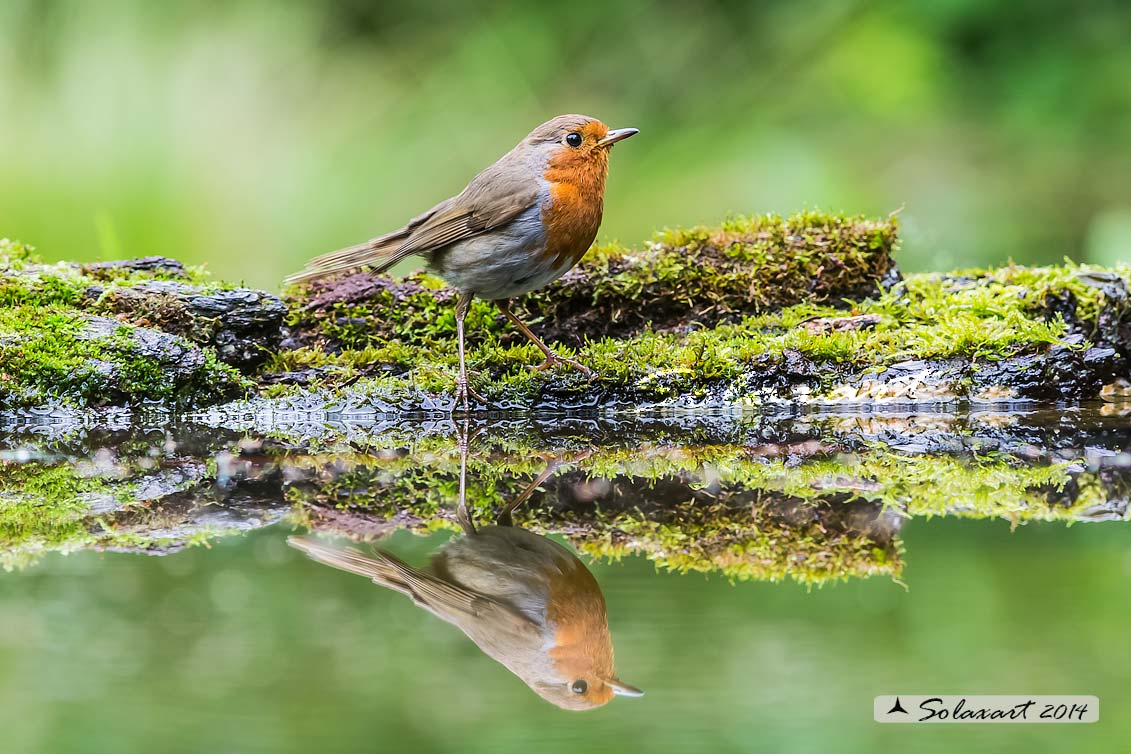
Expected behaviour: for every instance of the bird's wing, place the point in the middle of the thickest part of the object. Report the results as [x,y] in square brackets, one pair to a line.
[493,198]
[448,601]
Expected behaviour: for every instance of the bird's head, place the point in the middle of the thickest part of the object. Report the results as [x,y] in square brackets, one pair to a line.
[576,144]
[586,691]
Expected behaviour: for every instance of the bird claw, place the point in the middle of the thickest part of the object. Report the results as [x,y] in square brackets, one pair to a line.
[553,361]
[463,390]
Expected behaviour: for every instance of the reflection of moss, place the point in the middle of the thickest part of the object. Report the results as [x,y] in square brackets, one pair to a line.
[42,509]
[989,485]
[716,509]
[51,501]
[742,533]
[735,531]
[118,505]
[743,536]
[798,507]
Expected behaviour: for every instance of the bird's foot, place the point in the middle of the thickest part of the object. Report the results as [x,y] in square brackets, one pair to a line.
[463,391]
[554,360]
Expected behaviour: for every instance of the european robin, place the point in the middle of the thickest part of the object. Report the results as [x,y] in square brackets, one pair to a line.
[518,226]
[525,600]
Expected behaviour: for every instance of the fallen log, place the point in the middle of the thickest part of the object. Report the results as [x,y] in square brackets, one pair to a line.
[762,312]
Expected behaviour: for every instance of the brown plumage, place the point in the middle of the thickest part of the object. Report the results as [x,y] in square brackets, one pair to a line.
[519,225]
[528,602]
[525,600]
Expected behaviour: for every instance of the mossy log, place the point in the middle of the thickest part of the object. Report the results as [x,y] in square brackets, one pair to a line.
[761,311]
[766,311]
[682,280]
[135,332]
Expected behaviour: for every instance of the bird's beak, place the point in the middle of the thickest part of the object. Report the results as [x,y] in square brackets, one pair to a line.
[620,688]
[617,134]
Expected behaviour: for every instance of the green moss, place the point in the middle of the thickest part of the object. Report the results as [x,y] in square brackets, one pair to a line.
[15,255]
[51,350]
[704,316]
[748,264]
[695,310]
[928,319]
[1037,286]
[696,276]
[25,280]
[50,353]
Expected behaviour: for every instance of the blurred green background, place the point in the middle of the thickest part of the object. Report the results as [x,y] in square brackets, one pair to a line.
[252,134]
[249,647]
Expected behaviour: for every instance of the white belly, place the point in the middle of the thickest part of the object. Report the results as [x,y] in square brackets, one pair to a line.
[503,263]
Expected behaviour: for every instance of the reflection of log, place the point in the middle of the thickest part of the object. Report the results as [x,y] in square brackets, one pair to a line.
[127,489]
[740,531]
[791,510]
[811,498]
[675,520]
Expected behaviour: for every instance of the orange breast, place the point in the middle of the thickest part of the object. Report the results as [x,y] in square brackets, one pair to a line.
[577,201]
[576,610]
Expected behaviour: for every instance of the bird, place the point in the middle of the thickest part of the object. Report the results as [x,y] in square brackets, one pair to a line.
[525,600]
[519,225]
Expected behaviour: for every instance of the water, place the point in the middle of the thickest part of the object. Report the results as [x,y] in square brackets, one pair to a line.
[764,576]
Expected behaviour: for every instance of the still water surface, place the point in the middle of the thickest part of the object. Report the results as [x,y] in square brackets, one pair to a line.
[764,578]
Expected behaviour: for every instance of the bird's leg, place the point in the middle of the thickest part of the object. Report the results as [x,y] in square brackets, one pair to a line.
[552,359]
[462,513]
[504,518]
[463,387]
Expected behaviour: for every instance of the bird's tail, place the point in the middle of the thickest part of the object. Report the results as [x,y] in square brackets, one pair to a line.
[444,599]
[381,567]
[380,253]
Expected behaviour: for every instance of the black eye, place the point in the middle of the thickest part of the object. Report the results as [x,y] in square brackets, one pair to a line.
[579,686]
[574,140]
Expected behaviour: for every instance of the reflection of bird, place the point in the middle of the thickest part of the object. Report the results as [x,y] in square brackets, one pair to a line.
[518,226]
[525,600]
